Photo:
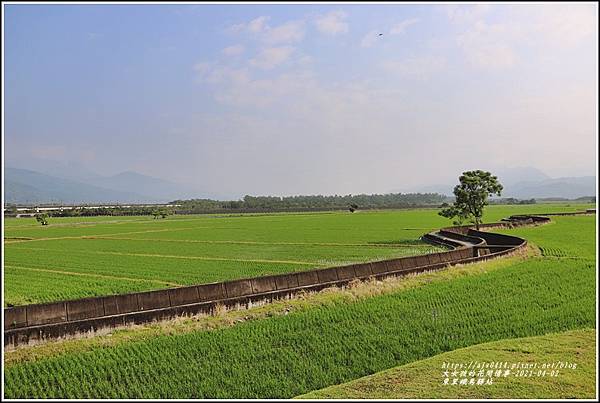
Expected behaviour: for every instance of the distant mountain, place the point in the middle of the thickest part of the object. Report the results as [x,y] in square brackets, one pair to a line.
[511,176]
[60,169]
[570,188]
[23,186]
[145,185]
[16,192]
[527,183]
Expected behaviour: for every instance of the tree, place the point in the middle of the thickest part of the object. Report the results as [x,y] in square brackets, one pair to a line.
[11,210]
[471,194]
[160,213]
[42,218]
[353,207]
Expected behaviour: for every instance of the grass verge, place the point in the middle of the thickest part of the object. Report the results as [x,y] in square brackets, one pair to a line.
[526,358]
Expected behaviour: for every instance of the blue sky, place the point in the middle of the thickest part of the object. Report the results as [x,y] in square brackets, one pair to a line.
[301,99]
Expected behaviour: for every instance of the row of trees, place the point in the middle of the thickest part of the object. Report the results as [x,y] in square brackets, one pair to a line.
[391,200]
[471,196]
[108,211]
[512,200]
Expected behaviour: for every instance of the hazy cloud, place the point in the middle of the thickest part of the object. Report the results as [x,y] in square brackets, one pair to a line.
[258,24]
[289,32]
[201,69]
[566,25]
[254,26]
[271,57]
[469,13]
[273,112]
[370,39]
[213,73]
[332,23]
[49,152]
[496,45]
[488,46]
[401,27]
[421,66]
[233,50]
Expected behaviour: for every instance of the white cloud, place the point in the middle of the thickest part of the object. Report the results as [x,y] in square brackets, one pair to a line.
[332,23]
[489,46]
[259,93]
[236,28]
[420,66]
[254,26]
[567,24]
[257,24]
[401,27]
[310,115]
[369,39]
[521,29]
[466,13]
[216,74]
[233,50]
[289,32]
[271,57]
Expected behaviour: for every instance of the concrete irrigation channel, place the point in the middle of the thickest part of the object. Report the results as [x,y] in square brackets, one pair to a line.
[32,324]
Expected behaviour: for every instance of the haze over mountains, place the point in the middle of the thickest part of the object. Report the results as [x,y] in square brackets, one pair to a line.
[529,182]
[74,184]
[24,186]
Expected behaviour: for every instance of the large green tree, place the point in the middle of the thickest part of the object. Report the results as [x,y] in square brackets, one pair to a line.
[472,196]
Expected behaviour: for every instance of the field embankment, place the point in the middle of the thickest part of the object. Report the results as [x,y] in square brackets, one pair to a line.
[557,366]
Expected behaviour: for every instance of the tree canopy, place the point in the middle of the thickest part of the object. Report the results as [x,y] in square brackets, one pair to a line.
[42,218]
[472,194]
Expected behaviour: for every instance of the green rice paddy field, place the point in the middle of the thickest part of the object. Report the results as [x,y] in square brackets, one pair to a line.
[82,257]
[314,346]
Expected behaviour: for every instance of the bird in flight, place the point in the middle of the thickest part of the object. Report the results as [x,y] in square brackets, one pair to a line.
[380,34]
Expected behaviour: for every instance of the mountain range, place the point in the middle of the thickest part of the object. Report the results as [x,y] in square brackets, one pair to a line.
[62,184]
[23,186]
[528,183]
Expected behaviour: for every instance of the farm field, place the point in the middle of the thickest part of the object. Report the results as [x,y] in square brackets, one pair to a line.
[83,257]
[309,349]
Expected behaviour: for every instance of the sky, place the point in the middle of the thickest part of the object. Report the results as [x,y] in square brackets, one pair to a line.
[284,99]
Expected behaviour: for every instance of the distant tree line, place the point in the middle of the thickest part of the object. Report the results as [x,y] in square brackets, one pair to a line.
[251,204]
[512,200]
[108,211]
[304,203]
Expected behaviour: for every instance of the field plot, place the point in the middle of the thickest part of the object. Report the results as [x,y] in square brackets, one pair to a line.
[83,257]
[289,355]
[73,258]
